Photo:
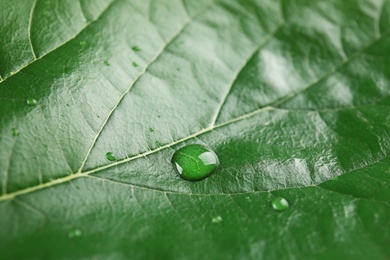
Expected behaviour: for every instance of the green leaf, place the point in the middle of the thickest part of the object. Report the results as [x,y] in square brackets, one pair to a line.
[293,97]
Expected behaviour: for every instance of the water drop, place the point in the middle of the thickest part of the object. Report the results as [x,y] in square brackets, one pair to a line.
[151,130]
[31,102]
[74,233]
[106,63]
[136,48]
[110,156]
[15,132]
[217,219]
[280,204]
[135,64]
[83,43]
[195,162]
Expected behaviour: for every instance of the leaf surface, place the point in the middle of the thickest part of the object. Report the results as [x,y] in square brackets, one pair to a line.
[293,96]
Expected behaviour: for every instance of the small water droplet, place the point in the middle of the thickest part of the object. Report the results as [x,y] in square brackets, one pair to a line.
[110,156]
[15,132]
[74,233]
[257,140]
[158,143]
[151,130]
[280,204]
[194,162]
[106,63]
[158,116]
[46,13]
[217,219]
[136,48]
[83,43]
[31,102]
[135,64]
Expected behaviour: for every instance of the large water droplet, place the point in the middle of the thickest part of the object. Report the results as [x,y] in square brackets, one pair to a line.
[74,233]
[15,132]
[217,219]
[31,102]
[110,156]
[280,204]
[195,162]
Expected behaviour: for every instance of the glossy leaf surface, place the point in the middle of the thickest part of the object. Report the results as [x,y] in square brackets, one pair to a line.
[293,97]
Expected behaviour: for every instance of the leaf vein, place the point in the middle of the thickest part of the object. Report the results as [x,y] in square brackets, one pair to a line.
[262,43]
[29,29]
[62,44]
[155,57]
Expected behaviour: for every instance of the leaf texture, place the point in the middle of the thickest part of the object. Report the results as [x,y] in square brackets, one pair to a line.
[293,96]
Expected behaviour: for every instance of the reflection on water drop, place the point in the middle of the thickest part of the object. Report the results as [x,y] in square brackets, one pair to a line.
[31,102]
[110,156]
[15,132]
[280,204]
[195,162]
[74,233]
[217,219]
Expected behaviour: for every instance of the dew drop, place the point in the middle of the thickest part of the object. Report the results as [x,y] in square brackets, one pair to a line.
[15,132]
[31,102]
[106,63]
[194,162]
[74,233]
[136,48]
[110,156]
[280,204]
[217,219]
[83,43]
[151,130]
[135,64]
